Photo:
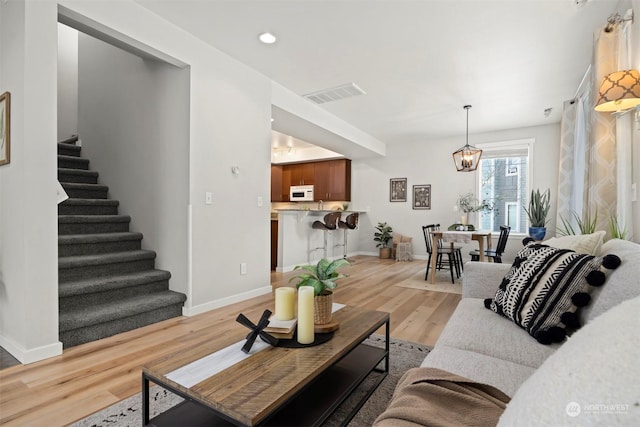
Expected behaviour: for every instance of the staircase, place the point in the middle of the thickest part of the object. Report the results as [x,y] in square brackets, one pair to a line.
[107,283]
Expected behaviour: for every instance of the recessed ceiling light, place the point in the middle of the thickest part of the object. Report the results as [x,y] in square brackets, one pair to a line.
[267,38]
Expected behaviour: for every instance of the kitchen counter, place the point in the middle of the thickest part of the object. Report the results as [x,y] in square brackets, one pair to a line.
[299,244]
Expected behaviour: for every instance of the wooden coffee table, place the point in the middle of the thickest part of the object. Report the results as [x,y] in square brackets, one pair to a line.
[277,386]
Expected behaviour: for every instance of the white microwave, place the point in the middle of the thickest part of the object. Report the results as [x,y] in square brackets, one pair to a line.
[301,193]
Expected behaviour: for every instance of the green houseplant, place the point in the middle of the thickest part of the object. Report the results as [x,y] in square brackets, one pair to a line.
[383,236]
[539,206]
[322,277]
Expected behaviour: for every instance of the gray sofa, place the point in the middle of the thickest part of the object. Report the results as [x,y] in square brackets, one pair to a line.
[485,347]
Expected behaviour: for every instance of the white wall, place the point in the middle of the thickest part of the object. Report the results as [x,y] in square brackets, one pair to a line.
[67,82]
[134,128]
[430,162]
[28,229]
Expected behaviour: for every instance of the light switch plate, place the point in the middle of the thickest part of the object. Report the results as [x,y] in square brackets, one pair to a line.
[260,203]
[208,198]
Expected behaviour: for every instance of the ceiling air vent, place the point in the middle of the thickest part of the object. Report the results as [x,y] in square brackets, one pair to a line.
[335,93]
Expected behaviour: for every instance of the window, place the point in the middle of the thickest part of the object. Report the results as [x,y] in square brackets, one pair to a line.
[503,179]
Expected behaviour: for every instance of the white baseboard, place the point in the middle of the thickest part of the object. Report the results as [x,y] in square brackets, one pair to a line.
[212,305]
[26,356]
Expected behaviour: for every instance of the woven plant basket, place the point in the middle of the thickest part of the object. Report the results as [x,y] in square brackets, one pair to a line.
[322,305]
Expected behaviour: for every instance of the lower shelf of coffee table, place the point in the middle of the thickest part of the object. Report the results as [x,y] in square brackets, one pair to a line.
[310,407]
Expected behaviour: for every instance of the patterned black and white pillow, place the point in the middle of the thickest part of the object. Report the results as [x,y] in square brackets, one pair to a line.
[544,288]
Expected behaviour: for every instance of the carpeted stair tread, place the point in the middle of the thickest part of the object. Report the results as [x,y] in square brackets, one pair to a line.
[72,162]
[102,259]
[90,202]
[91,219]
[86,191]
[98,243]
[68,149]
[70,239]
[107,283]
[76,206]
[77,175]
[71,140]
[109,311]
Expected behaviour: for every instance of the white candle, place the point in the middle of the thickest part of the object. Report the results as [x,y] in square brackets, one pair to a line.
[285,303]
[305,315]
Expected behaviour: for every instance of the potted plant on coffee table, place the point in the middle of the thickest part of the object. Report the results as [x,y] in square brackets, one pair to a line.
[539,206]
[322,277]
[383,236]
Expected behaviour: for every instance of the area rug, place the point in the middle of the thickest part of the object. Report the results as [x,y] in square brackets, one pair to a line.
[404,355]
[442,283]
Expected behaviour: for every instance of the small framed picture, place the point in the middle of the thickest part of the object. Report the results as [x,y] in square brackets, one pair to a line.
[398,190]
[5,128]
[422,196]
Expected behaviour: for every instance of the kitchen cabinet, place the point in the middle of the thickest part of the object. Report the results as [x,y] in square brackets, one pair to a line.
[277,187]
[301,173]
[274,244]
[331,179]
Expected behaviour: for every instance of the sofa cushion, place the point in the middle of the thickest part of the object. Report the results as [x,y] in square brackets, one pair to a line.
[622,284]
[471,327]
[503,375]
[581,243]
[544,288]
[591,380]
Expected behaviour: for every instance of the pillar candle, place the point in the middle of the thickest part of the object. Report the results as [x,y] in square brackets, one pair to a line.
[285,303]
[305,315]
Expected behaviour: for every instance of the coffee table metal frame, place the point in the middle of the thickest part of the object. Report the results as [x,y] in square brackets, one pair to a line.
[361,359]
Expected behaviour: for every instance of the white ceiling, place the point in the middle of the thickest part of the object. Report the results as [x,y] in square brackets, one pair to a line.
[418,61]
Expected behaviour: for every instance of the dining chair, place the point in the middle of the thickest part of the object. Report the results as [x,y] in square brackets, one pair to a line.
[453,254]
[495,254]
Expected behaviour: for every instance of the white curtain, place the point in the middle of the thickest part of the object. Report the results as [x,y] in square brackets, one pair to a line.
[624,140]
[595,148]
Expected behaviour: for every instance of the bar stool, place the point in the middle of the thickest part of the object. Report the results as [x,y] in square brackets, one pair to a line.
[350,223]
[330,223]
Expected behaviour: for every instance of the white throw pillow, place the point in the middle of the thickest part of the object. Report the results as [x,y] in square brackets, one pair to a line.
[592,380]
[581,243]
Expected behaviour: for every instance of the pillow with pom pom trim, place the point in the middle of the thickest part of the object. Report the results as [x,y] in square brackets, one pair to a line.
[581,243]
[545,286]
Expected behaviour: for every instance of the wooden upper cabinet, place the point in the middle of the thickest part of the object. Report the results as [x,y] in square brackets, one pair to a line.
[302,173]
[331,179]
[277,189]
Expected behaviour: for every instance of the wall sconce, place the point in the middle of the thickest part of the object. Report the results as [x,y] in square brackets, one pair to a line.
[619,92]
[467,158]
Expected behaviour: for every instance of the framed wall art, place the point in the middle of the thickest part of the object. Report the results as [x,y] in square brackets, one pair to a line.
[5,128]
[422,196]
[398,190]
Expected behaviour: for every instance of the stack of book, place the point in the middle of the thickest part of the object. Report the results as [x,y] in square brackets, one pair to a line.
[281,329]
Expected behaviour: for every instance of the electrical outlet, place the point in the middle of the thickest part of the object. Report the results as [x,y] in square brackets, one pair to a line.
[208,198]
[243,268]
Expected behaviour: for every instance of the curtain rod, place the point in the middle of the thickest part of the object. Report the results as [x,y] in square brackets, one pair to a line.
[584,78]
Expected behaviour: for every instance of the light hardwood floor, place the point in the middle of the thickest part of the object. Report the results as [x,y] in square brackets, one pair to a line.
[93,376]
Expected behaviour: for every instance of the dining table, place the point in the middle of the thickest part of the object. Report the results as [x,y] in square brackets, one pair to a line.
[453,237]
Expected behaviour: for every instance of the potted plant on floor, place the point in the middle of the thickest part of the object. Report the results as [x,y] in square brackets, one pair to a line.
[383,236]
[322,277]
[539,206]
